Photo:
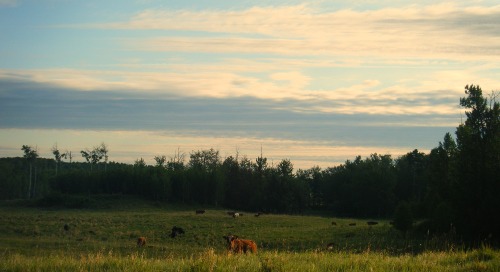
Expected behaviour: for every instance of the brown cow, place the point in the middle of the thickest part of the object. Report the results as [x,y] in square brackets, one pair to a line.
[141,241]
[237,245]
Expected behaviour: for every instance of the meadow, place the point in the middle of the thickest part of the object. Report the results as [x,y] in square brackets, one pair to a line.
[102,237]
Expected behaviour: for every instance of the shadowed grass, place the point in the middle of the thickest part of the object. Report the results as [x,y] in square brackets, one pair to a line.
[104,239]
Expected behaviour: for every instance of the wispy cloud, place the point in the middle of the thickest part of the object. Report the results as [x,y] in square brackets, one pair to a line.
[433,31]
[8,3]
[363,98]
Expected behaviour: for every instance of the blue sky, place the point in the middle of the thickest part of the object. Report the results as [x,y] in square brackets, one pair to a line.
[316,82]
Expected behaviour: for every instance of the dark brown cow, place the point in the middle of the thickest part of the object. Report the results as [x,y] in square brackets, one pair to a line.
[200,211]
[176,231]
[141,241]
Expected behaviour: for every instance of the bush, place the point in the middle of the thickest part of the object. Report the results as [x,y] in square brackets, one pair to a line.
[403,218]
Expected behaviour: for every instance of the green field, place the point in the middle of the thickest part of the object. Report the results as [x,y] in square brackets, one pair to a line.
[104,238]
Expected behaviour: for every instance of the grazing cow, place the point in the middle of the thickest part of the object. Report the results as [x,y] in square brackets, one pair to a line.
[330,246]
[231,213]
[334,223]
[66,227]
[200,211]
[352,224]
[371,223]
[236,215]
[259,214]
[176,231]
[141,241]
[237,245]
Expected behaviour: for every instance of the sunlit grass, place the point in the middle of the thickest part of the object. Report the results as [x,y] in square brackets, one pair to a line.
[209,260]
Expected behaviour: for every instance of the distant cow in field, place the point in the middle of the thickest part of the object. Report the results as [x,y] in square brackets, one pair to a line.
[330,246]
[371,223]
[236,215]
[176,231]
[66,227]
[259,214]
[200,211]
[334,223]
[352,224]
[141,241]
[237,245]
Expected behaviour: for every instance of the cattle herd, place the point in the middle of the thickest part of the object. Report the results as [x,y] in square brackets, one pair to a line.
[234,243]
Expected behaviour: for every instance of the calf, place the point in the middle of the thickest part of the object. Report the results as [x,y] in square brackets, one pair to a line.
[141,241]
[237,245]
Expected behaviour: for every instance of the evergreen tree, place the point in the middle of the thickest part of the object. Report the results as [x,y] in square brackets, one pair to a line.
[477,188]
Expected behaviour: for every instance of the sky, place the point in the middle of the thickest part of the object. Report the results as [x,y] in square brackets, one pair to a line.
[315,82]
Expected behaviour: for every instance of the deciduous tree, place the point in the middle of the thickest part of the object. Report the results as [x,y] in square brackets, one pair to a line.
[30,154]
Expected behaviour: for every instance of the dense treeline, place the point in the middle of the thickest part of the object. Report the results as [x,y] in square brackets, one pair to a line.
[455,187]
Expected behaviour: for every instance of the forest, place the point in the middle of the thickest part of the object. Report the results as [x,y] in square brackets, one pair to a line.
[452,189]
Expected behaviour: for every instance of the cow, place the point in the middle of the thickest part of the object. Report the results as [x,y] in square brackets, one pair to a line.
[176,231]
[200,211]
[237,245]
[352,224]
[236,215]
[66,227]
[334,223]
[330,246]
[141,241]
[231,213]
[371,223]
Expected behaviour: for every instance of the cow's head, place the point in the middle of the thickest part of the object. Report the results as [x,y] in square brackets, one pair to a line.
[230,238]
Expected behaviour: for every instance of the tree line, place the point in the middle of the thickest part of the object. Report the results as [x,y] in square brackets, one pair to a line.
[454,187]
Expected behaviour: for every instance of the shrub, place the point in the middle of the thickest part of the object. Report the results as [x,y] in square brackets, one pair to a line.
[403,218]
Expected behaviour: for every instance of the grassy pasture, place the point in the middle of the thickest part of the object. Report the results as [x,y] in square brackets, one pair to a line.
[102,239]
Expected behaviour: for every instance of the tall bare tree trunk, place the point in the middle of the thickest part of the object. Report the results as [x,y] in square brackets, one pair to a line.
[34,184]
[29,187]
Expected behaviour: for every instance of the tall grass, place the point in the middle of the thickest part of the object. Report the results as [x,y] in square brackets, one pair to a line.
[209,260]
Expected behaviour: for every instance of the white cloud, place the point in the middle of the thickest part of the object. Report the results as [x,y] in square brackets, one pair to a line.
[433,31]
[431,95]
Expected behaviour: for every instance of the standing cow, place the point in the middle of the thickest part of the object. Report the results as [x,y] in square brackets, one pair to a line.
[141,241]
[237,245]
